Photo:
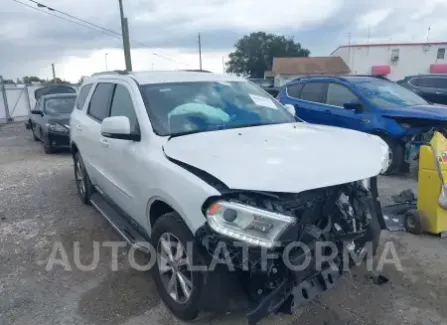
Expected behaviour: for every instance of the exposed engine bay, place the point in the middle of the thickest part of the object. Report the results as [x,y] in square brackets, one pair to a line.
[310,254]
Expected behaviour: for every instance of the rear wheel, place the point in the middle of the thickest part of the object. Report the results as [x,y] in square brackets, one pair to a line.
[177,282]
[83,184]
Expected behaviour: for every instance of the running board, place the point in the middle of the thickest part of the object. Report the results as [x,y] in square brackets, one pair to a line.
[120,222]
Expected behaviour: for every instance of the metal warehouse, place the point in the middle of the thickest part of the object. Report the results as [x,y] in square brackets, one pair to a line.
[394,60]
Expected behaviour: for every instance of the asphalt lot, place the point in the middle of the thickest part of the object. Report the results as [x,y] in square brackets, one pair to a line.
[39,207]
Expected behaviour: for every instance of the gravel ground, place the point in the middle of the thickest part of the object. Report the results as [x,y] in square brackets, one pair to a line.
[39,208]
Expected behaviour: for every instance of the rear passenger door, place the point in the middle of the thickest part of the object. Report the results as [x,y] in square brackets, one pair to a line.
[92,147]
[311,106]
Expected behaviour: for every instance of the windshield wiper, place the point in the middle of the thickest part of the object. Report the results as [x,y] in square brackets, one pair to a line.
[179,134]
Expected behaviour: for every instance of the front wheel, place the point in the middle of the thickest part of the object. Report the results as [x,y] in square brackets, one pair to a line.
[177,282]
[396,156]
[83,184]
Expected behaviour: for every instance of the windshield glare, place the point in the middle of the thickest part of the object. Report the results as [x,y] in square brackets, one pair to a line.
[386,94]
[176,108]
[59,106]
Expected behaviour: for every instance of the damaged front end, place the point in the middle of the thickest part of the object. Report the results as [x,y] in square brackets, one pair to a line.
[324,229]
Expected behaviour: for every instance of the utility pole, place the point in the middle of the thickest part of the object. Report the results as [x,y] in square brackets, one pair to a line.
[54,72]
[125,33]
[223,65]
[200,53]
[428,32]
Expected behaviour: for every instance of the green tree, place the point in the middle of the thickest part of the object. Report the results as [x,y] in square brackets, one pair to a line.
[30,79]
[255,52]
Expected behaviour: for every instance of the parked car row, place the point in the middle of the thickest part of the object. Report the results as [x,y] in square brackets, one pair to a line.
[368,104]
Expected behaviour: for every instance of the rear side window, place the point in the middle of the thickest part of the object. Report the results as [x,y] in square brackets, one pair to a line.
[433,82]
[337,95]
[314,92]
[122,105]
[294,90]
[82,96]
[100,102]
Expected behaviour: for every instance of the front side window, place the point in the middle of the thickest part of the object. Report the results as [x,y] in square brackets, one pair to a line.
[338,95]
[314,92]
[59,106]
[122,105]
[433,82]
[386,94]
[99,103]
[183,107]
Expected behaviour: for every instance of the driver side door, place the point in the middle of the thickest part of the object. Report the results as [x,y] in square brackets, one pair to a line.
[337,95]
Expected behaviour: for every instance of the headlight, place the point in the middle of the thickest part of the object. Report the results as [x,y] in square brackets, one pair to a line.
[366,183]
[249,224]
[386,155]
[56,127]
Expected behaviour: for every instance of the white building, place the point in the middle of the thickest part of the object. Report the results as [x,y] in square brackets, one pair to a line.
[394,60]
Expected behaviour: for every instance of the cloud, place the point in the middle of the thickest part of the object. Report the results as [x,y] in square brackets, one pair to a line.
[30,40]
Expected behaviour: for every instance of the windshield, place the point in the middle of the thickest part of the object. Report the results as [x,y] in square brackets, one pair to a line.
[59,105]
[386,94]
[188,107]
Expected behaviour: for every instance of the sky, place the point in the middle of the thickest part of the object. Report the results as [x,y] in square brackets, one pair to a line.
[164,33]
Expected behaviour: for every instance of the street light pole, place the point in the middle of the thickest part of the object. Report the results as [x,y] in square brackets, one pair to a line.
[125,33]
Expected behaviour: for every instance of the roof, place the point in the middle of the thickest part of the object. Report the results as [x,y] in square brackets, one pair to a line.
[389,45]
[152,77]
[310,65]
[59,95]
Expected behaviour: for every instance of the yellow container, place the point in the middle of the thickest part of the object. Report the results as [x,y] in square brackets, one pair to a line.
[434,217]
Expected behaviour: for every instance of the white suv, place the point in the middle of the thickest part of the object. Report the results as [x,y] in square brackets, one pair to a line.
[214,172]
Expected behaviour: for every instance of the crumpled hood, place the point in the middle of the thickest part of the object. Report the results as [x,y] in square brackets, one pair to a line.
[281,158]
[62,120]
[433,112]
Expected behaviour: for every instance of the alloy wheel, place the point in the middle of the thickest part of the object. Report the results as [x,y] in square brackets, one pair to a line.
[174,268]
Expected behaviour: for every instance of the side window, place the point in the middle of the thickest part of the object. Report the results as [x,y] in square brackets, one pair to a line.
[337,95]
[100,101]
[294,90]
[82,96]
[433,82]
[122,105]
[415,81]
[441,54]
[314,92]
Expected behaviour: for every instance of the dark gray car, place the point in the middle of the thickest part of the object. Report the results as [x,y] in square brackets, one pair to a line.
[431,87]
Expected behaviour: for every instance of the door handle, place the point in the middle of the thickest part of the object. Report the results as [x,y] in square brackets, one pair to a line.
[78,127]
[438,92]
[105,143]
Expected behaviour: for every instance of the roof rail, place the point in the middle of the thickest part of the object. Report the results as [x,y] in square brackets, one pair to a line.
[120,72]
[196,70]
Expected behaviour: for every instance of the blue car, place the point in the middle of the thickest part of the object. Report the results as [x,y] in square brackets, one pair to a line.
[369,104]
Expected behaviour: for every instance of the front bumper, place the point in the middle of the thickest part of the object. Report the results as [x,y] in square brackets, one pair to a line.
[58,139]
[288,296]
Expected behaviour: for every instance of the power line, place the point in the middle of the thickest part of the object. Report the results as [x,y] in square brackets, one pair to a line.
[103,30]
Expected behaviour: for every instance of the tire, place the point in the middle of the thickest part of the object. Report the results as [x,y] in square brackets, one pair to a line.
[34,135]
[47,148]
[85,189]
[167,225]
[397,150]
[413,222]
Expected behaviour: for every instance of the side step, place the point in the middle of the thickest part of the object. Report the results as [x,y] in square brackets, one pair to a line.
[122,223]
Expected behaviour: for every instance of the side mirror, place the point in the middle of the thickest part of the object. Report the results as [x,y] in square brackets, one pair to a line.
[354,106]
[36,111]
[118,127]
[290,108]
